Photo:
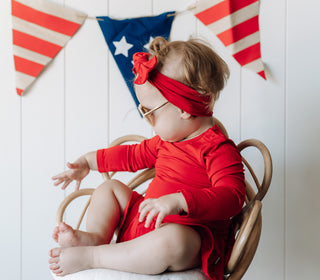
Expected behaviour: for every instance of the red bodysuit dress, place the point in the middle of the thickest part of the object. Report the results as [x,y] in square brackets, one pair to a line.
[207,170]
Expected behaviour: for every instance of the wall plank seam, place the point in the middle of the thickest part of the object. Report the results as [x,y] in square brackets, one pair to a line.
[20,218]
[285,144]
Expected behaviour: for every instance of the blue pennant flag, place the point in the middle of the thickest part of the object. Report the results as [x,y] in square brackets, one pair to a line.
[128,36]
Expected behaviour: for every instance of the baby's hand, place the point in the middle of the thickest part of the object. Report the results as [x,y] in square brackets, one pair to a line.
[161,207]
[77,171]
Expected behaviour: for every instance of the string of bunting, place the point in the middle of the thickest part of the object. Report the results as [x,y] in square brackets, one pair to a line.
[41,29]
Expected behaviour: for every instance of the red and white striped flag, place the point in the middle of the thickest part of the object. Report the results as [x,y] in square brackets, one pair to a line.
[236,24]
[40,31]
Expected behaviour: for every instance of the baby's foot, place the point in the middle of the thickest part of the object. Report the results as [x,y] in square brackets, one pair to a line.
[69,260]
[66,236]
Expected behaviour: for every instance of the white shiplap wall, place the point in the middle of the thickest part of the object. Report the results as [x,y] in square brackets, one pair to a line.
[81,103]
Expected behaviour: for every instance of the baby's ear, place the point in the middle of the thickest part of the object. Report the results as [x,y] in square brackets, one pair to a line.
[185,115]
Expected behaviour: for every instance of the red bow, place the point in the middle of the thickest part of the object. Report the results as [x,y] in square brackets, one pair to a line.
[142,66]
[177,93]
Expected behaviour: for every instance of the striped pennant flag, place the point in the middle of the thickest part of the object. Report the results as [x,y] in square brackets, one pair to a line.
[40,31]
[236,24]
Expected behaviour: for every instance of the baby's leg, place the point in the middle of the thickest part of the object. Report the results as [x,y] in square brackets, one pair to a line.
[172,247]
[106,207]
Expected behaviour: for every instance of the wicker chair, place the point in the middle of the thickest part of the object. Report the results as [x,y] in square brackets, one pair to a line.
[248,221]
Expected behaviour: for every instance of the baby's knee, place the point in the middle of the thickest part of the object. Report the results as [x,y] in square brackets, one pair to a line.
[115,189]
[108,185]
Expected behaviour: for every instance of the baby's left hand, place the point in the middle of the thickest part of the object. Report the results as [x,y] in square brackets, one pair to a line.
[163,206]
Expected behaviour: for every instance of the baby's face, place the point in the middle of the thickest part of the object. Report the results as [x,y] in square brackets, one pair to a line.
[166,121]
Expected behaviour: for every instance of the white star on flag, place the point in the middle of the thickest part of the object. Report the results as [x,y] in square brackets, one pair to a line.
[147,45]
[136,31]
[122,47]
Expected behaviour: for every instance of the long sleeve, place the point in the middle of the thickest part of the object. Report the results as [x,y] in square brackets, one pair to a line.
[225,197]
[128,157]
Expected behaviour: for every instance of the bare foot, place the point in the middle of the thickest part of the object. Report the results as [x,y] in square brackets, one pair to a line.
[71,259]
[66,236]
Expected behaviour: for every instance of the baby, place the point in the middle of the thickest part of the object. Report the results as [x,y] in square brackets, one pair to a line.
[183,220]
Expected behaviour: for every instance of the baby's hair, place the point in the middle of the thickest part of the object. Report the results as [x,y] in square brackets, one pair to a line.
[203,69]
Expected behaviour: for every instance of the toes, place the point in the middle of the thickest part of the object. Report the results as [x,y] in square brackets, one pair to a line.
[54,267]
[55,252]
[64,227]
[58,272]
[53,260]
[56,230]
[55,234]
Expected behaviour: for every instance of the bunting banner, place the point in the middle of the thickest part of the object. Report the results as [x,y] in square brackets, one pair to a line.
[128,36]
[40,30]
[236,24]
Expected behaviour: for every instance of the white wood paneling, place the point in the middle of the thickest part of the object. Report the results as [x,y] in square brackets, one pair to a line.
[86,89]
[42,153]
[42,142]
[184,24]
[81,103]
[302,142]
[262,117]
[10,155]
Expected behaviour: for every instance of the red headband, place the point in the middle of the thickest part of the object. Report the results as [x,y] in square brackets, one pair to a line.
[179,94]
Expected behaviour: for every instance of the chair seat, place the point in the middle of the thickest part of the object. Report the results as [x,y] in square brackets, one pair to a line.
[109,274]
